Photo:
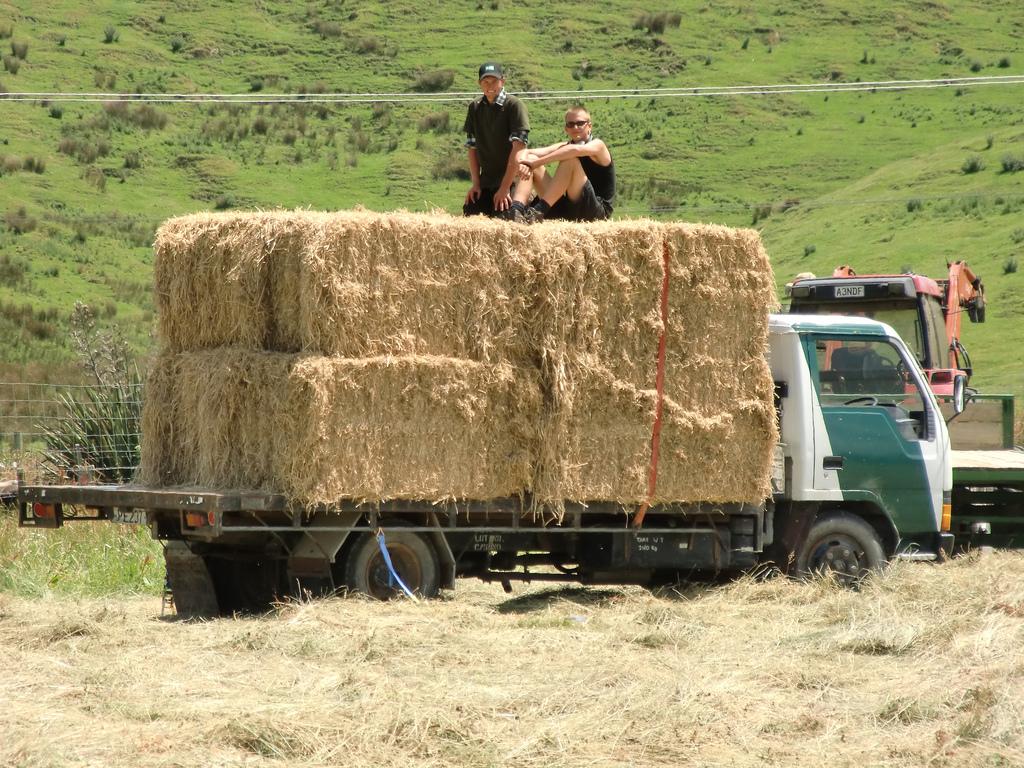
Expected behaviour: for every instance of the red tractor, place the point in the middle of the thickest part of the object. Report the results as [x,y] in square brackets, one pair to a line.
[925,312]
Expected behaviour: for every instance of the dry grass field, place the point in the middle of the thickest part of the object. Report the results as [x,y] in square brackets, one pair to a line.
[923,666]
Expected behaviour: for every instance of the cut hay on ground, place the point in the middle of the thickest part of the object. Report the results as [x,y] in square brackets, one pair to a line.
[572,309]
[922,667]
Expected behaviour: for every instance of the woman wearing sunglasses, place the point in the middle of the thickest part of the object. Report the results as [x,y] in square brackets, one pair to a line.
[582,187]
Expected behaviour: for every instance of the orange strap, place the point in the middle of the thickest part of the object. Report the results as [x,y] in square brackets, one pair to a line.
[652,477]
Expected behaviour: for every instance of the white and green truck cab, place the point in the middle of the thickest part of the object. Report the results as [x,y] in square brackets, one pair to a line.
[863,470]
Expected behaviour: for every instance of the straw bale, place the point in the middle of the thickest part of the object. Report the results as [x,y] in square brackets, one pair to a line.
[416,284]
[600,325]
[319,429]
[230,279]
[351,283]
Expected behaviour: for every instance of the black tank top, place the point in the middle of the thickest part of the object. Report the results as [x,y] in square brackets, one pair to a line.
[602,178]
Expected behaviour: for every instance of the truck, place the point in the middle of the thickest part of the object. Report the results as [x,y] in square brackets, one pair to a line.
[988,469]
[861,475]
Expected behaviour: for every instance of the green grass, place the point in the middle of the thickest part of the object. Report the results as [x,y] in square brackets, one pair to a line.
[80,559]
[851,160]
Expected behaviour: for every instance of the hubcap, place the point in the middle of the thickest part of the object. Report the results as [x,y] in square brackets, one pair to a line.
[407,565]
[841,556]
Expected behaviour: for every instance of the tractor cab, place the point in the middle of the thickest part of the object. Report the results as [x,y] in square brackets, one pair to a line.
[911,304]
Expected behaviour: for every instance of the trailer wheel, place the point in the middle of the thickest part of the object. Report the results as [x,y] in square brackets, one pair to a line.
[842,545]
[413,556]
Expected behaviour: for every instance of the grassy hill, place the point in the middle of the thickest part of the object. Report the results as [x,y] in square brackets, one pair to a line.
[881,180]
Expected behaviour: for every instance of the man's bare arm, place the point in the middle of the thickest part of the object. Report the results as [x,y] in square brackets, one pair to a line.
[474,175]
[502,198]
[594,148]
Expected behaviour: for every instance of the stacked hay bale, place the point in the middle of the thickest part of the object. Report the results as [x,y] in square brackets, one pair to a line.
[374,356]
[600,338]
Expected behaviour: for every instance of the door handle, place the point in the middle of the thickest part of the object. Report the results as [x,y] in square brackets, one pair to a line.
[832,462]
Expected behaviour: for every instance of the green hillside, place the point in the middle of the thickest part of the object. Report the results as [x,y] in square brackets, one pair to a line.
[882,180]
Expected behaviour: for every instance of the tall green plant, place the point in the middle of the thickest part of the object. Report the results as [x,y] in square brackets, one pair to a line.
[95,436]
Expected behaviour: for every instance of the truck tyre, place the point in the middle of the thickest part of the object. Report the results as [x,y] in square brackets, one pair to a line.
[190,582]
[414,559]
[842,545]
[243,585]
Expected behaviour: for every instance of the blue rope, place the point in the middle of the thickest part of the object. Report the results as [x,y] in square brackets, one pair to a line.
[393,577]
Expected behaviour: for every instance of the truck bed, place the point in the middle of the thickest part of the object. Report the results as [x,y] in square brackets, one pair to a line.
[1006,461]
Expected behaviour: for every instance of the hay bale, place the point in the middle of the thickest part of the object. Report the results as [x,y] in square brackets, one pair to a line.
[600,325]
[411,284]
[320,429]
[230,280]
[353,283]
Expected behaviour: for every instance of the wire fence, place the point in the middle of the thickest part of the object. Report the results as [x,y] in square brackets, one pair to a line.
[64,433]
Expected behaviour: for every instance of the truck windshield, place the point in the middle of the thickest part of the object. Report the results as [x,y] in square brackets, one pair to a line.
[901,315]
[854,372]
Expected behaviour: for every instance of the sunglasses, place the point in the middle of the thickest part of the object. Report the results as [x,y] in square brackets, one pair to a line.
[576,123]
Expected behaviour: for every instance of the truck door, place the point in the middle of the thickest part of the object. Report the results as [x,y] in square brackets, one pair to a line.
[881,439]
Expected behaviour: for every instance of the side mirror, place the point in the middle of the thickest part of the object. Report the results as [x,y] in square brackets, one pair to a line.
[959,394]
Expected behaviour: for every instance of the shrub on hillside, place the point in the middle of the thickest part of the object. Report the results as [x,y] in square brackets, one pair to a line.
[656,23]
[451,166]
[177,43]
[1004,62]
[34,165]
[12,64]
[327,29]
[972,164]
[1010,265]
[1012,163]
[110,34]
[6,31]
[56,112]
[12,271]
[436,121]
[433,81]
[20,221]
[365,45]
[10,164]
[914,204]
[95,177]
[20,50]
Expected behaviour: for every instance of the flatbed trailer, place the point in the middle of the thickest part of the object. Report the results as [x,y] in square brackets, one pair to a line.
[988,474]
[256,545]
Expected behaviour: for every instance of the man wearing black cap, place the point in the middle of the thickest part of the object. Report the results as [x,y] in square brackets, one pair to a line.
[497,129]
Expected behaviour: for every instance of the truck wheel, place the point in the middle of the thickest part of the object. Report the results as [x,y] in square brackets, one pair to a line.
[412,555]
[243,585]
[842,545]
[190,582]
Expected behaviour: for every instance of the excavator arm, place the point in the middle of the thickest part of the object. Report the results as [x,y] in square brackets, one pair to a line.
[963,290]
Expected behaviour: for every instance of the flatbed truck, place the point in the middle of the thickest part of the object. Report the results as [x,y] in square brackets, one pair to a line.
[861,475]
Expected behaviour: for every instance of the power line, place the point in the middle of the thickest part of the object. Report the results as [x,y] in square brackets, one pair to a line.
[545,95]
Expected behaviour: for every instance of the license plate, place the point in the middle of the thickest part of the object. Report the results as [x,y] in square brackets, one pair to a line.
[129,516]
[849,291]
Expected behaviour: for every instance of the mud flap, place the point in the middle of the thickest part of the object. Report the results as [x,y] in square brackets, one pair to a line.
[190,582]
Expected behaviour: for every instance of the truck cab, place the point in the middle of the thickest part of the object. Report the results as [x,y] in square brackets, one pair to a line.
[864,448]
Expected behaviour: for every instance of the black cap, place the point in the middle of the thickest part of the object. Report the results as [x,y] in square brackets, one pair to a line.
[490,69]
